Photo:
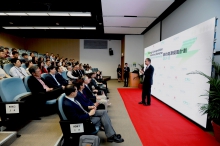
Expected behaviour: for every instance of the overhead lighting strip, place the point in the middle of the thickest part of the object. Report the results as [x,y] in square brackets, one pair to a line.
[49,27]
[79,14]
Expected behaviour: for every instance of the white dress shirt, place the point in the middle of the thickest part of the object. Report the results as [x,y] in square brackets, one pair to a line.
[18,72]
[2,73]
[69,74]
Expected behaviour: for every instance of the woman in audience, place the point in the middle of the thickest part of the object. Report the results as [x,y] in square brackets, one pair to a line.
[3,74]
[119,71]
[88,70]
[42,68]
[40,59]
[63,66]
[34,60]
[28,64]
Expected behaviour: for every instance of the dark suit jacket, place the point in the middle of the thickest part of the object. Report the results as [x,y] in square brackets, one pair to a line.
[93,83]
[126,71]
[88,93]
[82,71]
[35,86]
[75,73]
[73,112]
[85,102]
[61,80]
[50,81]
[148,76]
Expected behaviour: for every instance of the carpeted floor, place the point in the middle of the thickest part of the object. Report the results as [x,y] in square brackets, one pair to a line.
[47,131]
[159,125]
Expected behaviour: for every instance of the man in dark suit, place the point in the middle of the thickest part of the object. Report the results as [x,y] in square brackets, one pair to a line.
[76,112]
[60,78]
[126,74]
[148,81]
[75,71]
[51,80]
[39,88]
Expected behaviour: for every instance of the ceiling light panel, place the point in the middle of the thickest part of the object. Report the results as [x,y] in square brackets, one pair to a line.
[41,27]
[16,14]
[56,27]
[37,14]
[89,28]
[58,14]
[72,27]
[3,14]
[10,27]
[88,14]
[26,27]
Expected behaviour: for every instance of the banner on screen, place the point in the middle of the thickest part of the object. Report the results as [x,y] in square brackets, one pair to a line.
[176,56]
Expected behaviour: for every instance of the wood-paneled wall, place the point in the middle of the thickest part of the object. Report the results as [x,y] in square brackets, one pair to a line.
[11,41]
[64,47]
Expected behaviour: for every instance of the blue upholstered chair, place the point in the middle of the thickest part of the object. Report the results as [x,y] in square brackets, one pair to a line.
[64,75]
[12,89]
[7,67]
[48,102]
[69,138]
[23,65]
[43,75]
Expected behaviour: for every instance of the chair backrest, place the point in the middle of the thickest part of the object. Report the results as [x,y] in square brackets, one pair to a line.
[23,65]
[11,87]
[7,67]
[64,75]
[60,107]
[43,75]
[26,83]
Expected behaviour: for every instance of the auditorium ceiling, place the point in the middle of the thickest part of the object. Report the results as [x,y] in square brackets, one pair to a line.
[82,19]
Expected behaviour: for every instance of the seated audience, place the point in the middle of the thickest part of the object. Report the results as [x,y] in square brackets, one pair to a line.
[34,60]
[51,80]
[31,55]
[6,50]
[15,54]
[42,68]
[75,71]
[52,57]
[12,50]
[25,57]
[28,64]
[48,63]
[76,112]
[87,70]
[39,88]
[97,85]
[40,59]
[60,78]
[70,72]
[3,60]
[3,74]
[81,69]
[17,70]
[63,66]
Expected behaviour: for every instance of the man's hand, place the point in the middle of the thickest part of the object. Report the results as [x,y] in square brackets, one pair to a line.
[92,112]
[141,71]
[63,87]
[49,89]
[95,90]
[91,107]
[96,104]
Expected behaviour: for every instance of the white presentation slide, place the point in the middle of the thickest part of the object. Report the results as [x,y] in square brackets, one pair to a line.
[176,56]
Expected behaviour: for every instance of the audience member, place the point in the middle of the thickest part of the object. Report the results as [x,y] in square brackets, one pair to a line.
[60,78]
[69,74]
[75,71]
[28,64]
[63,66]
[6,50]
[31,55]
[17,70]
[76,112]
[15,54]
[12,50]
[34,60]
[3,60]
[25,56]
[39,88]
[48,63]
[41,67]
[3,74]
[51,80]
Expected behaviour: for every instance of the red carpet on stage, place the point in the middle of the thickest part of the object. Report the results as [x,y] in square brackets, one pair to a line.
[159,125]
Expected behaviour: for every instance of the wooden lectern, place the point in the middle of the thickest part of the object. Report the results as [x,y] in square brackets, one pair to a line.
[134,80]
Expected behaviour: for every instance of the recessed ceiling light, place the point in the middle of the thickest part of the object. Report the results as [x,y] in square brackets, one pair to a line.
[10,27]
[100,23]
[41,27]
[80,14]
[26,27]
[10,22]
[37,14]
[56,27]
[16,14]
[2,14]
[72,27]
[57,23]
[89,28]
[58,14]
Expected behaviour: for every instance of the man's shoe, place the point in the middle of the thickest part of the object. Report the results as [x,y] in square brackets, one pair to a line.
[114,138]
[118,136]
[140,102]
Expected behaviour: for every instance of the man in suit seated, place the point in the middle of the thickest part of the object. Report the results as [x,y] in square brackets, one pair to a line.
[39,88]
[70,74]
[51,80]
[17,70]
[76,112]
[60,78]
[97,85]
[75,71]
[94,97]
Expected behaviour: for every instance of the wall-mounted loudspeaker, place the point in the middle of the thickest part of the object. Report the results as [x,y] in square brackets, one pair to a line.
[111,51]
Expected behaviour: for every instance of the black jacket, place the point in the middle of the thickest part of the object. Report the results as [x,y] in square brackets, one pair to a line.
[148,76]
[35,86]
[50,81]
[61,80]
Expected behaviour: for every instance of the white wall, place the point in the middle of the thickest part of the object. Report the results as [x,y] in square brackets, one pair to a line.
[189,14]
[100,58]
[152,36]
[134,50]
